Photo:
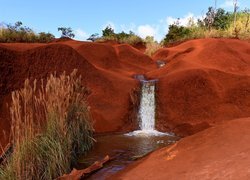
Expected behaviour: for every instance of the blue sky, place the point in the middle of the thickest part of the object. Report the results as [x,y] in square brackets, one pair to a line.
[85,17]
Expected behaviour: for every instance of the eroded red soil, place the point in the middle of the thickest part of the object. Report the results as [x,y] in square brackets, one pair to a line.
[205,81]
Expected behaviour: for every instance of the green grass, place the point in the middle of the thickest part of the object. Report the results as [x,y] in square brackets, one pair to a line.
[51,127]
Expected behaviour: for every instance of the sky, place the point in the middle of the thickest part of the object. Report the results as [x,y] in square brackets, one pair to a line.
[86,17]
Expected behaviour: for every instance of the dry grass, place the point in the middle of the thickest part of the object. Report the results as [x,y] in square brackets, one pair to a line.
[50,128]
[152,47]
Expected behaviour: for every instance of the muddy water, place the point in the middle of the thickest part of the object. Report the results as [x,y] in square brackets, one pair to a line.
[124,149]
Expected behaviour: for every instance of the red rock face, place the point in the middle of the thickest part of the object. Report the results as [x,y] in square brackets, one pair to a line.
[105,68]
[204,81]
[221,152]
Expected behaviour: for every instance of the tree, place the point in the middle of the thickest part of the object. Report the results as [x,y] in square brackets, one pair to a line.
[235,2]
[247,12]
[15,27]
[218,19]
[221,19]
[176,33]
[209,19]
[66,32]
[93,37]
[108,31]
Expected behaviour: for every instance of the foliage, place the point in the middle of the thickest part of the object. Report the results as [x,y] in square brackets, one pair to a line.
[176,33]
[109,34]
[50,128]
[108,31]
[222,19]
[151,45]
[93,37]
[217,23]
[45,37]
[66,32]
[19,33]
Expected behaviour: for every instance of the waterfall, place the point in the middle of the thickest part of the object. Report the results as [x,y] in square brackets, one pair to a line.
[146,114]
[147,106]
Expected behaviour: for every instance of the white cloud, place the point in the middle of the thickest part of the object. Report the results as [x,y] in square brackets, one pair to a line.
[229,4]
[146,30]
[81,35]
[157,30]
[184,21]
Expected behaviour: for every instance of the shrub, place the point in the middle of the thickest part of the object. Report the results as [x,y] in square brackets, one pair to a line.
[19,33]
[108,34]
[66,32]
[217,24]
[50,128]
[130,38]
[151,45]
[176,33]
[45,37]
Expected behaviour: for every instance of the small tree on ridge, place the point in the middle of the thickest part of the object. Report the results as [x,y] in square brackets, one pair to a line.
[66,32]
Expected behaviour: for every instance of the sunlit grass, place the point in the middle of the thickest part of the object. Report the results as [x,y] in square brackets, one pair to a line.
[51,127]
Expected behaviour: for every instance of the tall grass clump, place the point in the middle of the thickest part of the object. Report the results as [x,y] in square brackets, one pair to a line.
[51,127]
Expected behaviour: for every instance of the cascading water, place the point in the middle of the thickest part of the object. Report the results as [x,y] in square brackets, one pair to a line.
[146,114]
[147,106]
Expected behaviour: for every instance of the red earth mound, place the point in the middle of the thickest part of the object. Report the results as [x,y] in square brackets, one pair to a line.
[220,152]
[204,82]
[99,64]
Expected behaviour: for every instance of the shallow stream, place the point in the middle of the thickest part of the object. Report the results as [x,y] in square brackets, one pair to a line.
[123,149]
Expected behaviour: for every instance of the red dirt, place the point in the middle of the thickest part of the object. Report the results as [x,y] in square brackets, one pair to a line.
[204,82]
[100,64]
[221,152]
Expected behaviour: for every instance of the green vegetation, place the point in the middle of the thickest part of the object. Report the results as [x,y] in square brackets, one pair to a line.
[66,32]
[217,23]
[50,128]
[176,32]
[108,34]
[151,45]
[19,33]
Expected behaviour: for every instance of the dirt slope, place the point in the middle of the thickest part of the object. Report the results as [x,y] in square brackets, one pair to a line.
[204,82]
[221,152]
[99,64]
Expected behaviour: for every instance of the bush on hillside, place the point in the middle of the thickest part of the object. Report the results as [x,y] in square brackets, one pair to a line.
[66,32]
[19,33]
[217,23]
[109,34]
[176,33]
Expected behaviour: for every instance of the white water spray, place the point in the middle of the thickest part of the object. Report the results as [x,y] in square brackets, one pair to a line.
[147,108]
